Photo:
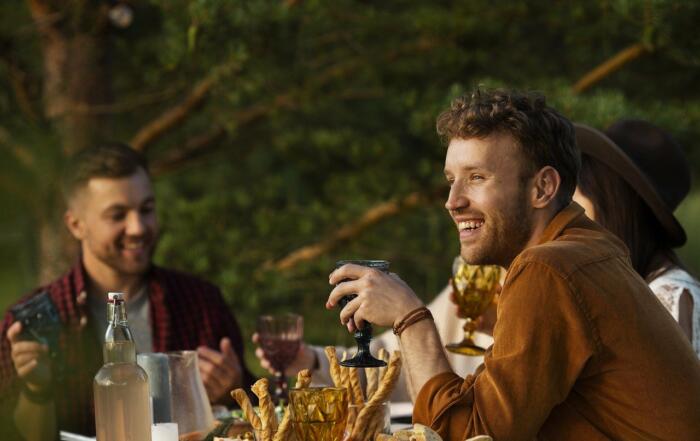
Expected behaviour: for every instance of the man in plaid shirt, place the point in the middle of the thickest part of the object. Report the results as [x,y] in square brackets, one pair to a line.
[111,211]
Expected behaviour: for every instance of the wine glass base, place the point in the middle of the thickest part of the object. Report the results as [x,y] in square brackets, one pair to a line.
[364,361]
[465,348]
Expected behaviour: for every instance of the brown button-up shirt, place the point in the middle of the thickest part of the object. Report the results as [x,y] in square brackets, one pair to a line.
[582,351]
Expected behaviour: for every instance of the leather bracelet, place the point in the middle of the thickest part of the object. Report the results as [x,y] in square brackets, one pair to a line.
[42,397]
[412,318]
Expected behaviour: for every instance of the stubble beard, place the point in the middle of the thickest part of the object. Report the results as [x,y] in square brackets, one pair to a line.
[507,233]
[125,266]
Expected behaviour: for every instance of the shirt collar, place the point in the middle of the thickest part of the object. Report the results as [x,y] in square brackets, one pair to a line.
[560,222]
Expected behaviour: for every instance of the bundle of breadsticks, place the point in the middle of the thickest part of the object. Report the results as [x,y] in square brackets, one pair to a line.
[266,425]
[366,417]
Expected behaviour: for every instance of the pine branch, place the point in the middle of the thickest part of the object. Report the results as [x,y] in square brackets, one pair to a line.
[125,105]
[610,66]
[193,149]
[172,117]
[368,219]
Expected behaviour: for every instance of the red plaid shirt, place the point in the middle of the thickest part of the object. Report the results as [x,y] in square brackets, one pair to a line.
[186,312]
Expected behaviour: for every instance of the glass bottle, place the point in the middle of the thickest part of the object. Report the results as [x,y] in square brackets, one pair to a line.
[122,403]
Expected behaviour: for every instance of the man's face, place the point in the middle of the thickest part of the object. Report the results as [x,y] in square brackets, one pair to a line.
[115,220]
[489,198]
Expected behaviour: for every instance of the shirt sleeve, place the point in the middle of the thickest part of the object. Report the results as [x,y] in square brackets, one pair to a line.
[542,341]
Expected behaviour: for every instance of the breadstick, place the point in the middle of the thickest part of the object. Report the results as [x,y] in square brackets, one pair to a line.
[375,425]
[267,409]
[372,375]
[242,399]
[355,385]
[334,366]
[373,405]
[382,355]
[303,381]
[345,379]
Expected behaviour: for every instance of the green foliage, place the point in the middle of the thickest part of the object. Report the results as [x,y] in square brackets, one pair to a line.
[329,109]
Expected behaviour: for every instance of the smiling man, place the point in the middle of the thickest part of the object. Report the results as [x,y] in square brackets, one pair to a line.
[111,213]
[582,349]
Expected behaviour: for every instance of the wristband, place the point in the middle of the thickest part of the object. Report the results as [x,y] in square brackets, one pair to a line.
[412,318]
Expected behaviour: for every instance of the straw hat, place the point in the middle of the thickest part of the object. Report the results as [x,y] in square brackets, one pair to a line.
[649,160]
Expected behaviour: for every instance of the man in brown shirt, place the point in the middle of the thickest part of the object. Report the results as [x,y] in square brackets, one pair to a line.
[582,349]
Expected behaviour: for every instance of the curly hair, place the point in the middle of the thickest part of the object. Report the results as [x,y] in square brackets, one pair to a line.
[546,137]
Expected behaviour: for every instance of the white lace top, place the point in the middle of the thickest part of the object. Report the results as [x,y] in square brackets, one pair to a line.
[669,287]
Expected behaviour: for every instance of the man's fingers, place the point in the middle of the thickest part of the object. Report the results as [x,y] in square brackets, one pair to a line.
[255,338]
[25,358]
[213,374]
[264,362]
[13,332]
[348,311]
[340,291]
[26,369]
[210,355]
[227,350]
[32,347]
[347,271]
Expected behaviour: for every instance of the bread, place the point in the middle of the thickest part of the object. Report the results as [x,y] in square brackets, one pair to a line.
[418,432]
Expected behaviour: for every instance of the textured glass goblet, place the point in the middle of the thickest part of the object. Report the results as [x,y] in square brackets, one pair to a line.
[319,413]
[474,287]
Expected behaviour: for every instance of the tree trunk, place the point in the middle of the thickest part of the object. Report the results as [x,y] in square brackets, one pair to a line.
[75,46]
[57,250]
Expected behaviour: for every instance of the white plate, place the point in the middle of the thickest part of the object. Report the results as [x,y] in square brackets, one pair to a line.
[68,436]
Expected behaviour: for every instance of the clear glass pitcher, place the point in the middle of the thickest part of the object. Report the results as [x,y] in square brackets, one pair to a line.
[178,392]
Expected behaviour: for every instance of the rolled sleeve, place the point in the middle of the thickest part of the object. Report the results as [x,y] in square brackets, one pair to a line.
[542,340]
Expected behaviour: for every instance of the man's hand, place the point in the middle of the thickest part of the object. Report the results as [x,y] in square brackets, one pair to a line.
[382,299]
[221,371]
[30,359]
[305,359]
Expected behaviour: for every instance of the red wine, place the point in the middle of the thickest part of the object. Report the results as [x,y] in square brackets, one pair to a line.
[279,351]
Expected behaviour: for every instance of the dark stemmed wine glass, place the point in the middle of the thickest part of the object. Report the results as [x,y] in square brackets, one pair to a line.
[280,337]
[363,336]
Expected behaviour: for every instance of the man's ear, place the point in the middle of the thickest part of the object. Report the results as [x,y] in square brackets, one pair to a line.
[546,183]
[75,224]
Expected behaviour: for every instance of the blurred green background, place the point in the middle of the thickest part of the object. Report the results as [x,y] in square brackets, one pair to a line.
[276,125]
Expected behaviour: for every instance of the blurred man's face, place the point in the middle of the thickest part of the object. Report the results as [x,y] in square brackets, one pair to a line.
[115,220]
[489,198]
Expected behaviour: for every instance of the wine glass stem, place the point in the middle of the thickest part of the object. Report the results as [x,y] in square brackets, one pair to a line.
[469,328]
[280,387]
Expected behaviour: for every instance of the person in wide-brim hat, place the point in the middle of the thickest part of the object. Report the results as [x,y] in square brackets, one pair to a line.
[633,177]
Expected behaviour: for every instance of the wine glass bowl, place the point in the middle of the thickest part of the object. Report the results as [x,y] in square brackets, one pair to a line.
[473,287]
[280,337]
[363,336]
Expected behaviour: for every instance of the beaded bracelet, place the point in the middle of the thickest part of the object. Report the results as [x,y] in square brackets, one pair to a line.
[411,318]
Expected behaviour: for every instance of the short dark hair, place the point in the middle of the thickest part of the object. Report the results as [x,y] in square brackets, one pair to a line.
[108,160]
[546,137]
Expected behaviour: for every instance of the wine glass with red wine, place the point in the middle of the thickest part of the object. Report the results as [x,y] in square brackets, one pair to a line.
[363,336]
[280,337]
